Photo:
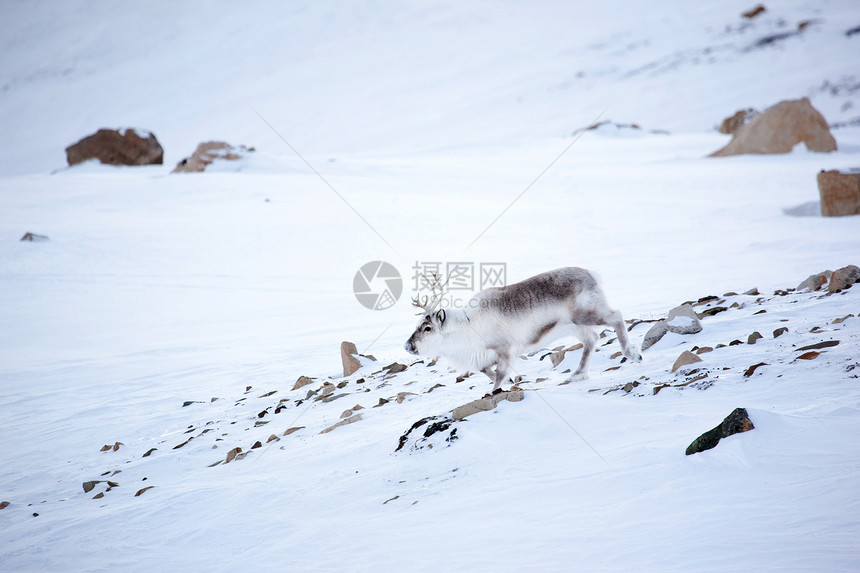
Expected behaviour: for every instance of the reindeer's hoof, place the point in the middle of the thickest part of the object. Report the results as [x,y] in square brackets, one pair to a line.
[497,391]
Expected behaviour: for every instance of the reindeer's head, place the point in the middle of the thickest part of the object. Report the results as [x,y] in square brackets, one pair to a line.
[427,338]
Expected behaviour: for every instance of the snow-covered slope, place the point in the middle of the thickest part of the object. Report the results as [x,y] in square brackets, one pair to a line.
[429,120]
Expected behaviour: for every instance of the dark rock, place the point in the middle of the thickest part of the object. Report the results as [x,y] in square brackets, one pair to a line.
[736,422]
[711,311]
[754,337]
[654,334]
[779,331]
[751,370]
[753,12]
[434,425]
[819,345]
[839,192]
[33,237]
[117,147]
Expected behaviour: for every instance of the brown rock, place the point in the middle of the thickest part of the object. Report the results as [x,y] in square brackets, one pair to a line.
[208,152]
[117,147]
[732,123]
[348,353]
[779,128]
[292,430]
[736,422]
[302,381]
[843,278]
[33,237]
[753,12]
[755,336]
[685,359]
[839,192]
[350,420]
[487,403]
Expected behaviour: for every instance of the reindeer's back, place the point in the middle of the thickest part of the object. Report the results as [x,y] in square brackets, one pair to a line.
[541,290]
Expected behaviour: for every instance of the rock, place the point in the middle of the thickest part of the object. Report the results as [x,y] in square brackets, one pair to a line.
[754,337]
[302,381]
[140,491]
[485,404]
[654,334]
[683,320]
[839,192]
[779,128]
[751,370]
[557,357]
[843,278]
[33,237]
[89,485]
[753,12]
[4,504]
[732,123]
[711,311]
[815,282]
[347,356]
[231,455]
[117,147]
[432,425]
[394,368]
[819,345]
[686,358]
[779,331]
[809,355]
[401,396]
[292,430]
[736,422]
[350,420]
[752,292]
[704,350]
[208,152]
[843,319]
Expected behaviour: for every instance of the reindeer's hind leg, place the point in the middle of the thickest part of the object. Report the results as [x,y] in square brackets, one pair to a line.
[617,323]
[589,339]
[502,368]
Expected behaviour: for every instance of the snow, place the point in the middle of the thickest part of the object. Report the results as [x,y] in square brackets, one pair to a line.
[430,121]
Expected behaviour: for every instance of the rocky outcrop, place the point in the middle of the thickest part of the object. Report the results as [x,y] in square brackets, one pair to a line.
[839,192]
[117,147]
[736,422]
[779,128]
[209,152]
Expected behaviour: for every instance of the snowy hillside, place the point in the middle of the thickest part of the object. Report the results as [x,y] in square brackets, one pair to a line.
[169,316]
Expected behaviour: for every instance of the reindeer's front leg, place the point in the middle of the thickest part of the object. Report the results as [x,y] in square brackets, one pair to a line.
[502,368]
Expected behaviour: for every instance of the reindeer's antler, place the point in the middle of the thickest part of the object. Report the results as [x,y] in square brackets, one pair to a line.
[428,303]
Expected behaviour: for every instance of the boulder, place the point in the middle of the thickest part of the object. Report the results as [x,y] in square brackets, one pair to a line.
[839,192]
[736,422]
[117,147]
[732,123]
[686,358]
[683,320]
[654,334]
[348,353]
[779,128]
[815,282]
[207,153]
[843,278]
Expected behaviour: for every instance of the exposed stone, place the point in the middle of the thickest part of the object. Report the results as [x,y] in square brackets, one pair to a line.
[654,334]
[704,350]
[815,282]
[711,311]
[432,425]
[753,292]
[843,278]
[401,396]
[486,403]
[779,331]
[839,192]
[350,420]
[347,356]
[842,319]
[208,152]
[302,381]
[292,430]
[33,237]
[751,370]
[753,12]
[755,336]
[686,358]
[117,147]
[779,128]
[683,320]
[736,422]
[732,123]
[819,345]
[557,357]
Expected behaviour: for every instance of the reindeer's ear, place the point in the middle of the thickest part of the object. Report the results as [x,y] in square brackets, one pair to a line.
[440,316]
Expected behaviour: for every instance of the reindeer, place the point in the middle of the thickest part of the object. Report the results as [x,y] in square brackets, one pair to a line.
[497,324]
